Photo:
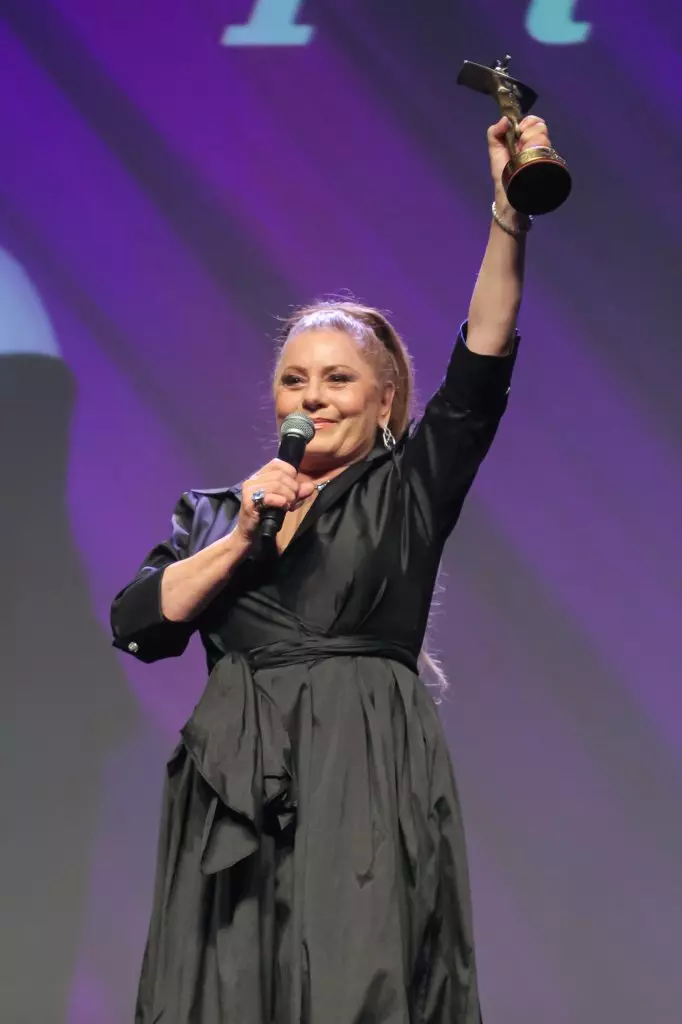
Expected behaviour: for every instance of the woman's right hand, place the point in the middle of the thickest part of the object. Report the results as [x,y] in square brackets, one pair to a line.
[278,480]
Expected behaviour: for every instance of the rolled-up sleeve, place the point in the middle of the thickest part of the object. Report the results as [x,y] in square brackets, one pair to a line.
[137,621]
[448,445]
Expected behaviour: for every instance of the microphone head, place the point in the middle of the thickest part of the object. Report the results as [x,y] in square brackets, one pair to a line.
[297,423]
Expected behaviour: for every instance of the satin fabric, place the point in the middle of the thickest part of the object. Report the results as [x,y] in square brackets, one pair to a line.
[312,863]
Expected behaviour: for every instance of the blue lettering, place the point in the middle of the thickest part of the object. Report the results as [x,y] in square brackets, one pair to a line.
[551,22]
[272,23]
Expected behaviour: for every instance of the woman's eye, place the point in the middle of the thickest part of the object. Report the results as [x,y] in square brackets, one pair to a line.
[290,380]
[340,378]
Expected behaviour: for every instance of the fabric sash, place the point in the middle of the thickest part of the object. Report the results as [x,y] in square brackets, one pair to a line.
[239,744]
[313,648]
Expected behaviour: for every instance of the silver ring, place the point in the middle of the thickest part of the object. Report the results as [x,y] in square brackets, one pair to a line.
[257,498]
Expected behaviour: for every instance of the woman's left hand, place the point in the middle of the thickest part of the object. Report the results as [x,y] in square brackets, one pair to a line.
[532,132]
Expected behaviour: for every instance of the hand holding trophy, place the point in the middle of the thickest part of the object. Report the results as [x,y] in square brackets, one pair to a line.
[534,177]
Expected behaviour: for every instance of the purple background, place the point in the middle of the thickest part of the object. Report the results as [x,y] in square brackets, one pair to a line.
[168,197]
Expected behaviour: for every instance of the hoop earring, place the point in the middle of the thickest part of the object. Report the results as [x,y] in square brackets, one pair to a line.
[388,438]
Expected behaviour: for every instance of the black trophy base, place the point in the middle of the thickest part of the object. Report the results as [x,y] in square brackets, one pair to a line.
[536,181]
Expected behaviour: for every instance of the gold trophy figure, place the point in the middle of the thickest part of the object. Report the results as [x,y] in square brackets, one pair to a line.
[535,180]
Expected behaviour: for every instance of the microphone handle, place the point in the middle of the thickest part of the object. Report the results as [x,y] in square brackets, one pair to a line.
[291,449]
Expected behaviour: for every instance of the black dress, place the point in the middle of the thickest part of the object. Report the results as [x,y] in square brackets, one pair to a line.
[312,865]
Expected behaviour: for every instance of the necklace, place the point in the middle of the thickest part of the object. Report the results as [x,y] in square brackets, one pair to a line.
[318,488]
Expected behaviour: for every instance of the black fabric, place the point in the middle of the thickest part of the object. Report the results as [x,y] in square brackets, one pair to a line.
[312,865]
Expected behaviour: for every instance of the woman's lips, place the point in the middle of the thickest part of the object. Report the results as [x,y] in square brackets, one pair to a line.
[320,424]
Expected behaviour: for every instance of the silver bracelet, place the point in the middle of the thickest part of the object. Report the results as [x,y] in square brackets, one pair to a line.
[514,232]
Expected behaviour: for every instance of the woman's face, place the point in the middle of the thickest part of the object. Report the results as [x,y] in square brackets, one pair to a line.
[326,374]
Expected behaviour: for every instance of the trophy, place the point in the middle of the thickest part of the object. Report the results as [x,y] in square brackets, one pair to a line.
[535,180]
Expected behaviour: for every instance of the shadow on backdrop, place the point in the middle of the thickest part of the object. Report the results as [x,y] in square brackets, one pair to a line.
[65,700]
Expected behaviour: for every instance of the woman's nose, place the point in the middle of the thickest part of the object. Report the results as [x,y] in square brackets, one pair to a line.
[312,398]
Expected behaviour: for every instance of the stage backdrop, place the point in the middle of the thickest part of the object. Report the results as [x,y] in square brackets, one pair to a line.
[174,176]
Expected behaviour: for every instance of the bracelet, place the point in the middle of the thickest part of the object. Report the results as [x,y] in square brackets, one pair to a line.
[514,232]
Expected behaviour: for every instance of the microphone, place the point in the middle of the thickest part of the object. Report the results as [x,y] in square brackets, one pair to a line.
[296,431]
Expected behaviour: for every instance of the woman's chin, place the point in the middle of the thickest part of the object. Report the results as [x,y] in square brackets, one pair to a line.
[322,451]
[324,454]
[316,452]
[323,441]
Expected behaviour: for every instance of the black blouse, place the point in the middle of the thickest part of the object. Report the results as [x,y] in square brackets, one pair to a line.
[364,560]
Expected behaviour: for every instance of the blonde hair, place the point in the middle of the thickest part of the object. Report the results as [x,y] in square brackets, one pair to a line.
[377,335]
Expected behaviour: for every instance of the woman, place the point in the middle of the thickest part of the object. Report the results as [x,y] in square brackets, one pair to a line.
[312,866]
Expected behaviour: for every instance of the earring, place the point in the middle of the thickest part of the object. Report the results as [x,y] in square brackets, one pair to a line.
[389,440]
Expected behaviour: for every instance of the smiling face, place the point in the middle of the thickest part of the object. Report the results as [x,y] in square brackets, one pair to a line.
[328,375]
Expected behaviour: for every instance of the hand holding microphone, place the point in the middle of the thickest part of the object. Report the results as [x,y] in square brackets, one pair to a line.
[269,493]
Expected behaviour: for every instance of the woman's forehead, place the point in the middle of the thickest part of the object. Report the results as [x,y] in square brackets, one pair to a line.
[323,347]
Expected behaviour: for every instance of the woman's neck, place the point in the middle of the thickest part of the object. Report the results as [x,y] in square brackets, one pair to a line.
[322,472]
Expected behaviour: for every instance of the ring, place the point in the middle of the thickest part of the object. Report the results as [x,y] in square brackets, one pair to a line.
[257,498]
